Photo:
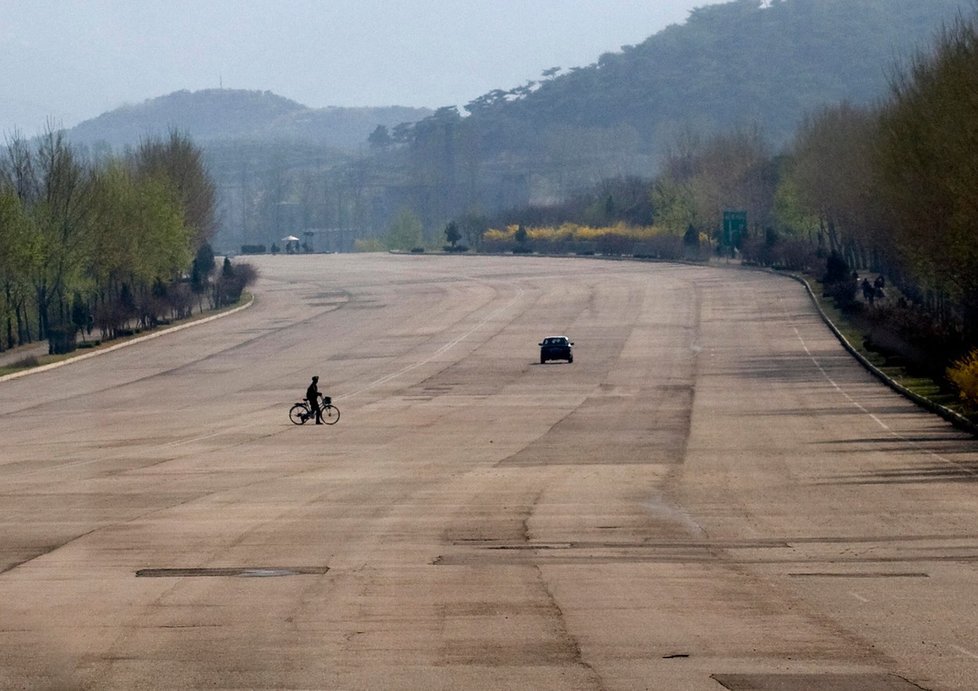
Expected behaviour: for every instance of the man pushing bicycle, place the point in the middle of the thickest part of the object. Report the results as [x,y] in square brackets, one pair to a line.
[314,405]
[312,395]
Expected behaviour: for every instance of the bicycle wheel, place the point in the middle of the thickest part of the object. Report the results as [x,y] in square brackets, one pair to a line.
[331,414]
[299,413]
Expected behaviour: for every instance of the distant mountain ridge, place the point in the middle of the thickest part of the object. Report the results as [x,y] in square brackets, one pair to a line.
[280,166]
[213,115]
[731,64]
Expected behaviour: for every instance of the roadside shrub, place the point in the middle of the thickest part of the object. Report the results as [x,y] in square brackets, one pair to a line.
[797,255]
[836,270]
[844,295]
[24,363]
[964,375]
[232,282]
[839,283]
[369,245]
[61,340]
[181,300]
[781,253]
[661,247]
[614,245]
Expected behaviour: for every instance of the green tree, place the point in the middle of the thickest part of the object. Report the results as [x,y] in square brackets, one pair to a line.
[674,204]
[702,178]
[380,138]
[404,232]
[833,175]
[233,280]
[472,225]
[452,233]
[180,161]
[107,237]
[791,216]
[200,272]
[18,255]
[929,172]
[81,316]
[62,216]
[521,235]
[142,243]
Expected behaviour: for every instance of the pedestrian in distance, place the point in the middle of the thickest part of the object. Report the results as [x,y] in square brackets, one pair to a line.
[869,293]
[314,405]
[312,395]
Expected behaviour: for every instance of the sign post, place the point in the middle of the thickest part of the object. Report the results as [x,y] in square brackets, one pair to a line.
[734,229]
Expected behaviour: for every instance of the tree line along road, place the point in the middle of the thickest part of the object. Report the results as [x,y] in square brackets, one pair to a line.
[712,495]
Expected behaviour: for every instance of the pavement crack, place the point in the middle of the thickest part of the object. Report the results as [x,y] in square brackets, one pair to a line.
[48,550]
[568,640]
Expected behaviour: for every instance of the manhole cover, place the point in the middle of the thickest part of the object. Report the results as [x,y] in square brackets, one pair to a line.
[815,682]
[872,574]
[236,571]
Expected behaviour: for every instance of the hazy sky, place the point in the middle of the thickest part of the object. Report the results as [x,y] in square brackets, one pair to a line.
[71,60]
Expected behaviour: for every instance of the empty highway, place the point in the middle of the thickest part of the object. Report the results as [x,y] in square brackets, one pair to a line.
[713,495]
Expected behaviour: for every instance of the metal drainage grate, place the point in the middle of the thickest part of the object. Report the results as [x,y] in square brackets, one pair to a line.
[872,574]
[235,571]
[815,682]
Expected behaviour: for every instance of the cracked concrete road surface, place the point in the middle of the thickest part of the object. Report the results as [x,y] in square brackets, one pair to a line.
[714,495]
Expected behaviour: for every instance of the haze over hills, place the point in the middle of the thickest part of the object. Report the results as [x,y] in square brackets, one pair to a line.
[281,167]
[739,64]
[231,114]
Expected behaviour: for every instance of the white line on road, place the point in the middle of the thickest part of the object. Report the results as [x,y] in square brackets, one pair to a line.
[881,423]
[858,596]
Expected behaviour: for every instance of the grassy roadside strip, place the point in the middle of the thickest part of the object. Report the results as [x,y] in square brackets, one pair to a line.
[923,391]
[48,362]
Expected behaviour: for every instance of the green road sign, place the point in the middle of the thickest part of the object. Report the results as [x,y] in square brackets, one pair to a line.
[734,227]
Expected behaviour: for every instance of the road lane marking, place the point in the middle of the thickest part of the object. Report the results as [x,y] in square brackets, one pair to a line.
[191,440]
[944,459]
[858,596]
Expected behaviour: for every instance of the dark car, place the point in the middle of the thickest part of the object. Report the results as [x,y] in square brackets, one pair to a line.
[556,348]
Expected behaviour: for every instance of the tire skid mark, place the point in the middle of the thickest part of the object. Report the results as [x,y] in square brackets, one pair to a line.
[444,348]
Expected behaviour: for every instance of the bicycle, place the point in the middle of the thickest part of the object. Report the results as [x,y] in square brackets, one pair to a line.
[302,411]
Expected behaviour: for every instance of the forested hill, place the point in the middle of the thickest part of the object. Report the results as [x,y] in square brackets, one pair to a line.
[731,64]
[740,64]
[229,114]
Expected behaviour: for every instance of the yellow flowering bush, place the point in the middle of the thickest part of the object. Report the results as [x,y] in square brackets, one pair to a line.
[571,238]
[573,231]
[964,374]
